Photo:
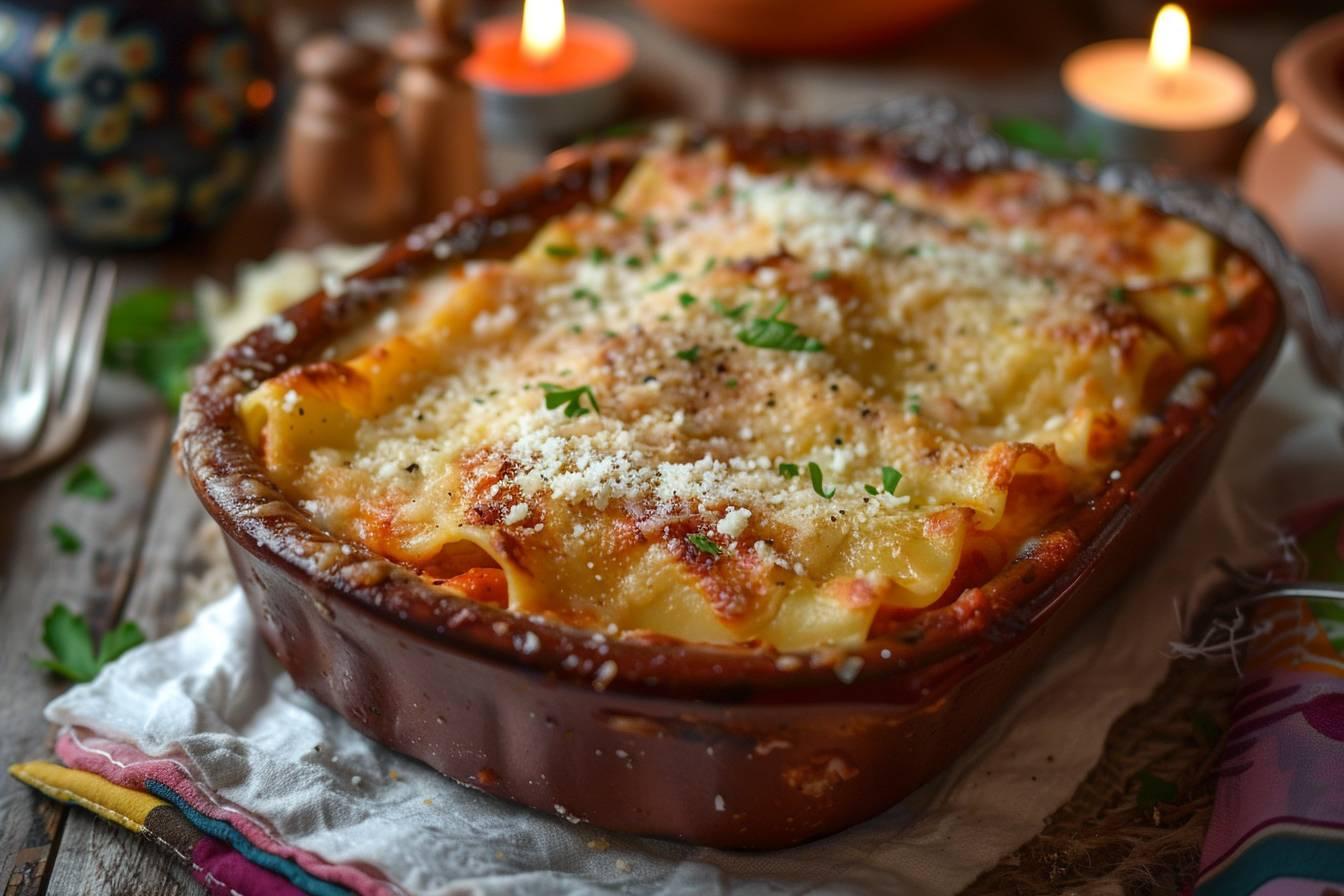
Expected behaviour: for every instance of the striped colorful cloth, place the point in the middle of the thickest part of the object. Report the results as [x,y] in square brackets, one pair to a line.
[1278,819]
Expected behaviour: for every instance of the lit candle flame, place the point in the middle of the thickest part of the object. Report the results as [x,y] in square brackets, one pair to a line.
[543,30]
[1169,50]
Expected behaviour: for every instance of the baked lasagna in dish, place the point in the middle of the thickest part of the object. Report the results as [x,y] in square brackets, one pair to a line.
[761,402]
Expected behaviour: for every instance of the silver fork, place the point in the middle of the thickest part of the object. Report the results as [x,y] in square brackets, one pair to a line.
[51,339]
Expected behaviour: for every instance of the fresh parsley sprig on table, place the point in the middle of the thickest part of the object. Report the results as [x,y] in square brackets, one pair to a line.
[570,399]
[66,634]
[151,334]
[86,482]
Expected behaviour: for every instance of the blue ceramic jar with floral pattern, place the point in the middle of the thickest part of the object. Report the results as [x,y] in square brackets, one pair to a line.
[133,121]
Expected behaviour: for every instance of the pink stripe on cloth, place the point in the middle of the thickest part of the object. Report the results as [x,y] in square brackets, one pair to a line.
[123,764]
[224,871]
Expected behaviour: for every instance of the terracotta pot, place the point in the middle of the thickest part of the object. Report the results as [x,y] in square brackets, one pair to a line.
[779,27]
[1293,171]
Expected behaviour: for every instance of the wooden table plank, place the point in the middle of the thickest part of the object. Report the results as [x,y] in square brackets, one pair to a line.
[115,862]
[127,440]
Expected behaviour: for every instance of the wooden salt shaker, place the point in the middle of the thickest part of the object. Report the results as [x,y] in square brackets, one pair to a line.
[436,110]
[343,168]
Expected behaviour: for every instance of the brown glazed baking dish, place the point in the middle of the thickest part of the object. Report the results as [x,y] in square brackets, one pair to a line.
[728,747]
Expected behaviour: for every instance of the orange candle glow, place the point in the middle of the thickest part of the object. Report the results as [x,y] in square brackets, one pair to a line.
[543,52]
[1162,83]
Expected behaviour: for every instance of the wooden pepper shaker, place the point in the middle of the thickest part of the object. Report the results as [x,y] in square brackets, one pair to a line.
[343,169]
[436,110]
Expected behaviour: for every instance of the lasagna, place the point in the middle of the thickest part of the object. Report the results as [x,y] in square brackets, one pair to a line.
[783,404]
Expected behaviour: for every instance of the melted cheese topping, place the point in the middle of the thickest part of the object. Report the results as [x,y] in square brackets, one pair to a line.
[682,413]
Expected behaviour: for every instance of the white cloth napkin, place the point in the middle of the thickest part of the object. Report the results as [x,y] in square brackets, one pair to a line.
[212,697]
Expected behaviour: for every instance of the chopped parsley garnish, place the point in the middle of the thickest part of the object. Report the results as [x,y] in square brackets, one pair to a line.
[720,191]
[731,313]
[771,332]
[887,196]
[891,477]
[634,261]
[1117,294]
[584,294]
[1186,289]
[710,262]
[67,542]
[686,299]
[666,280]
[599,255]
[86,482]
[871,489]
[703,544]
[912,405]
[731,382]
[814,472]
[66,634]
[617,213]
[910,251]
[561,251]
[823,274]
[788,471]
[571,399]
[691,354]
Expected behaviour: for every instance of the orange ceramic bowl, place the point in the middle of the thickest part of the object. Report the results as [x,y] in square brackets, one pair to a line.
[783,27]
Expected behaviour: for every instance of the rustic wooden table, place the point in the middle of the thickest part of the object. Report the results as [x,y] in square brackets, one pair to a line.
[1001,58]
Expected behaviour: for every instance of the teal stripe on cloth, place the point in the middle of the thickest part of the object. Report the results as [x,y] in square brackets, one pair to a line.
[1277,856]
[222,830]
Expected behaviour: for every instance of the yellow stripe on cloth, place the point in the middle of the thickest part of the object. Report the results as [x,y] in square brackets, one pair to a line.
[120,805]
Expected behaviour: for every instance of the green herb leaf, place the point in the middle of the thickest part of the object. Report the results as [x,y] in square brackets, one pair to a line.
[912,405]
[67,542]
[731,313]
[771,332]
[634,261]
[788,471]
[151,335]
[666,280]
[910,251]
[823,274]
[67,636]
[690,355]
[1117,294]
[570,399]
[871,489]
[584,294]
[118,641]
[814,472]
[86,482]
[561,251]
[731,382]
[686,299]
[1186,289]
[598,255]
[710,262]
[704,544]
[1045,139]
[1154,790]
[891,477]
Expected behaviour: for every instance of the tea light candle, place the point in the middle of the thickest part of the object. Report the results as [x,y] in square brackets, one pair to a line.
[547,77]
[1159,100]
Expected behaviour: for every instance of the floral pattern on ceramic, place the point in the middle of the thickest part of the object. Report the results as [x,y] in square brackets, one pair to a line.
[119,203]
[217,97]
[134,121]
[99,81]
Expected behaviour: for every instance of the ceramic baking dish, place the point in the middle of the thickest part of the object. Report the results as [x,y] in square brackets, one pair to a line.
[729,747]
